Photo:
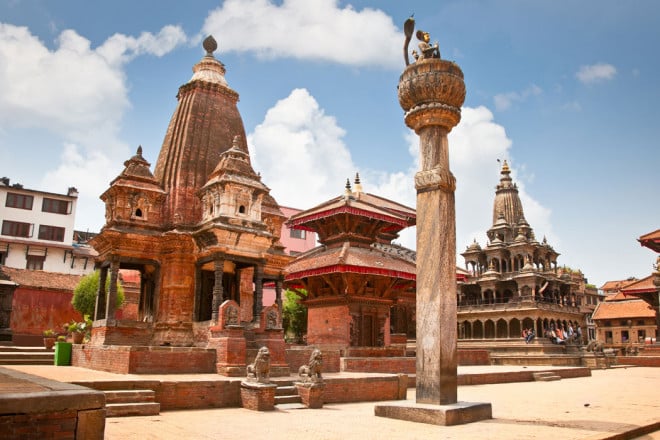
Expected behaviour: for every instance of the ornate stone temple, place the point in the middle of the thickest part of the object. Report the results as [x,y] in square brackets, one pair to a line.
[203,231]
[514,282]
[356,275]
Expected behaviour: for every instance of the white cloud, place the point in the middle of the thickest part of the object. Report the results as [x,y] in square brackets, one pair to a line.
[304,29]
[75,97]
[300,152]
[595,73]
[297,135]
[503,101]
[122,48]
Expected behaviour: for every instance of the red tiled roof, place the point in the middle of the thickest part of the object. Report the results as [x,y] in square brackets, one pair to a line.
[645,285]
[42,280]
[651,240]
[364,204]
[619,296]
[616,285]
[623,309]
[349,259]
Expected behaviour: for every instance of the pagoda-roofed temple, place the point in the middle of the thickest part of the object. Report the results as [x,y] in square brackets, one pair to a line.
[204,233]
[356,276]
[514,284]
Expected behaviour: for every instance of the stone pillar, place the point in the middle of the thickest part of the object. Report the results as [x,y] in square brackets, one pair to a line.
[219,266]
[111,303]
[99,310]
[258,303]
[431,93]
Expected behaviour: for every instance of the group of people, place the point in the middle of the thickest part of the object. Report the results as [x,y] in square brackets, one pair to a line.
[563,334]
[558,334]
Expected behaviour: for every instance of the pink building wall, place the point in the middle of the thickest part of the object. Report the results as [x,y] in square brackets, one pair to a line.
[295,242]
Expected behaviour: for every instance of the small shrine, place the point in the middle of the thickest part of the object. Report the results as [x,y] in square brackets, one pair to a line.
[355,277]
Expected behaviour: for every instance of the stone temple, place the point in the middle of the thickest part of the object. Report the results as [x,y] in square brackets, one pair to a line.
[203,231]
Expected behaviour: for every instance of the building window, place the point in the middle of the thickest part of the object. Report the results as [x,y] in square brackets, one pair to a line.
[51,233]
[56,206]
[641,335]
[624,336]
[608,337]
[607,324]
[297,233]
[3,257]
[640,322]
[35,262]
[20,201]
[16,229]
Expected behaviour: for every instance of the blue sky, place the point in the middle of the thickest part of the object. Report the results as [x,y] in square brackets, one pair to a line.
[567,92]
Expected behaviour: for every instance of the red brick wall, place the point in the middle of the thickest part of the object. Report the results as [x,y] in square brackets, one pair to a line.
[296,356]
[328,325]
[364,389]
[198,394]
[375,352]
[35,310]
[53,425]
[640,361]
[473,357]
[144,360]
[379,365]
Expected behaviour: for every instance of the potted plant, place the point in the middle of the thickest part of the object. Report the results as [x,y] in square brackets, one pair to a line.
[79,329]
[49,338]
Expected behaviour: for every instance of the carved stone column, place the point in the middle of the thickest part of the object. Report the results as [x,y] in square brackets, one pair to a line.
[258,304]
[278,293]
[431,93]
[99,310]
[111,303]
[219,265]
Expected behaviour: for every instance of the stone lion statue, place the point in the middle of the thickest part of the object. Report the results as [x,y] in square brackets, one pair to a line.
[312,371]
[594,346]
[259,370]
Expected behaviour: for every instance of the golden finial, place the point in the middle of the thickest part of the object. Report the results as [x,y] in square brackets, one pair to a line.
[358,185]
[347,190]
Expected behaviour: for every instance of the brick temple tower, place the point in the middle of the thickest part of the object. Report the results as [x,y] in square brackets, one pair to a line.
[202,230]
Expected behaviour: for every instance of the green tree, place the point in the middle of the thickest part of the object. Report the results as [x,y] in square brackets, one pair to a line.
[84,295]
[294,315]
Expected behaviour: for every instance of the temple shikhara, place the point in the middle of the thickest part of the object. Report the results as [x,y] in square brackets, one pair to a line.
[203,232]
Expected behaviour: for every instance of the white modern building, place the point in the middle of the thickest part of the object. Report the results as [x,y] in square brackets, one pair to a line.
[38,231]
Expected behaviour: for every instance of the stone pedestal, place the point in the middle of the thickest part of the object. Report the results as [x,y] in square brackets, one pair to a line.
[446,415]
[311,394]
[258,396]
[229,344]
[273,338]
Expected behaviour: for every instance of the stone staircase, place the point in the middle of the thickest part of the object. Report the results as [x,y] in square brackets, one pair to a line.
[11,355]
[123,403]
[545,376]
[286,393]
[126,397]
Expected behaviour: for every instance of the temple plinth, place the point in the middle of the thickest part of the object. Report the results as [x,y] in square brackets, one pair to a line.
[431,93]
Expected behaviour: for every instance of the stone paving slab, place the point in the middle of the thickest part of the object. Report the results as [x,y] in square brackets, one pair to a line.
[603,406]
[611,404]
